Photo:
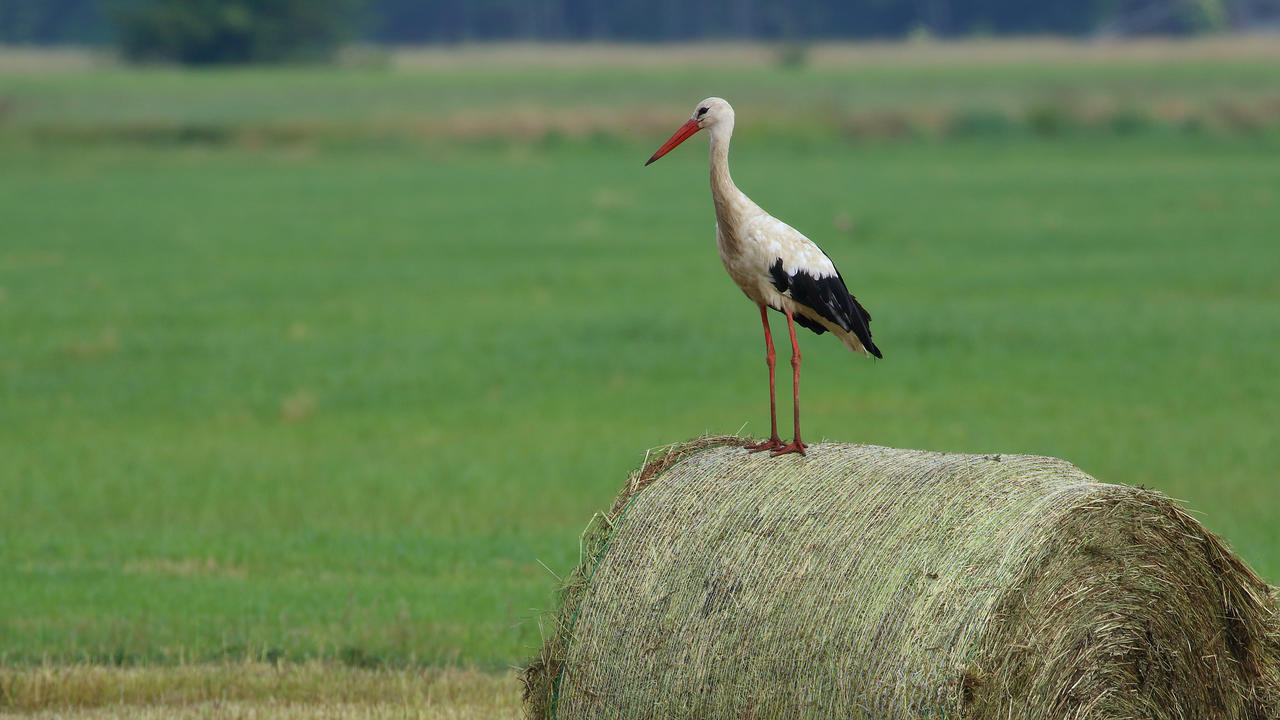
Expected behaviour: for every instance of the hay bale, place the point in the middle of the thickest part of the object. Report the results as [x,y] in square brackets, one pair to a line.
[869,582]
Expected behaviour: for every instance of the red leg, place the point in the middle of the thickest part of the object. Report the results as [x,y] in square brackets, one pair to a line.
[795,445]
[771,358]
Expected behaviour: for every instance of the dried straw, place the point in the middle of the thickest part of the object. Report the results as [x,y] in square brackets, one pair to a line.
[869,582]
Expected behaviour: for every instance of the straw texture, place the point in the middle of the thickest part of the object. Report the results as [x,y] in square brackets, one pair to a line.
[870,582]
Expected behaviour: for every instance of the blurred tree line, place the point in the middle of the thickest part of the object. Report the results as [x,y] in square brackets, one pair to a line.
[200,31]
[411,21]
[203,32]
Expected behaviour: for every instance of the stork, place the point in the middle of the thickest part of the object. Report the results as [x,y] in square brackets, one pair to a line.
[775,266]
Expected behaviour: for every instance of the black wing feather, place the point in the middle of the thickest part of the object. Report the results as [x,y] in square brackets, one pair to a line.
[807,322]
[829,297]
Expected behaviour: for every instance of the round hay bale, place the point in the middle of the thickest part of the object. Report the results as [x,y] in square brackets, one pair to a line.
[870,582]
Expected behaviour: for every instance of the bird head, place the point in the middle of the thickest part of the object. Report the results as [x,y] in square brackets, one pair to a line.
[709,114]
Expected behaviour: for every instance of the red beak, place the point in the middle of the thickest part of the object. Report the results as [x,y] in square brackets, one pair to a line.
[684,133]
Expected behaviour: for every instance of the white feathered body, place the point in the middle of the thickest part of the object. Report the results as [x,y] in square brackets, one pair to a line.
[752,243]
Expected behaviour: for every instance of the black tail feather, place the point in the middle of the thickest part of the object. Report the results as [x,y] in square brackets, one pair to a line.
[862,327]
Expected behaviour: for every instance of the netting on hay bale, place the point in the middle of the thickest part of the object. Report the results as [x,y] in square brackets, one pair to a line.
[869,582]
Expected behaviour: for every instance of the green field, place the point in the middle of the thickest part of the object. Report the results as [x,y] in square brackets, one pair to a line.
[305,364]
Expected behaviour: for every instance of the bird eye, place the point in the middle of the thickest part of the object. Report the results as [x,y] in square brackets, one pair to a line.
[702,111]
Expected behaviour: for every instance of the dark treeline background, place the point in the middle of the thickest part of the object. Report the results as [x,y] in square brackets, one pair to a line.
[407,21]
[424,21]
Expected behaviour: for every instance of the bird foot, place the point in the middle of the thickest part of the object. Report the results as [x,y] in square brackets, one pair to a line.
[771,444]
[794,446]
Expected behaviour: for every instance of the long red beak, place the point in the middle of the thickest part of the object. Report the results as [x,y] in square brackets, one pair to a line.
[686,130]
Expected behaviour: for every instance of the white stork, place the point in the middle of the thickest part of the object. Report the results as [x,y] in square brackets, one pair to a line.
[774,265]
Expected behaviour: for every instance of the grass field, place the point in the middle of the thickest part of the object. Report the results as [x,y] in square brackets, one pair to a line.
[311,690]
[340,392]
[521,93]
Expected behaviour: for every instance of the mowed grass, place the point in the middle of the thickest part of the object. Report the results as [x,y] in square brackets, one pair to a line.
[258,690]
[344,401]
[1208,85]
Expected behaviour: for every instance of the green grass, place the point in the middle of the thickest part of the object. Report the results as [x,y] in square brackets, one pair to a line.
[309,400]
[363,96]
[1211,85]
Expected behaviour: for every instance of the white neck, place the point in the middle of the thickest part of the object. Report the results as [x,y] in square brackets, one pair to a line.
[723,191]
